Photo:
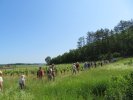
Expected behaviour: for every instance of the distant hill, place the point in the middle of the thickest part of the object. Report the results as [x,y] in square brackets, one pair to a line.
[8,65]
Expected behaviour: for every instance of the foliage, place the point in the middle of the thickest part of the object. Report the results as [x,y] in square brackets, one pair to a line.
[121,88]
[102,44]
[112,81]
[48,59]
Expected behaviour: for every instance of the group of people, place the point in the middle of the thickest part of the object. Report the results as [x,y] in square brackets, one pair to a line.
[51,72]
[40,73]
[88,65]
[94,64]
[21,81]
[75,68]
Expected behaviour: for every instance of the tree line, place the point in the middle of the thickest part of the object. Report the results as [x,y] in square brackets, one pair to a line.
[100,45]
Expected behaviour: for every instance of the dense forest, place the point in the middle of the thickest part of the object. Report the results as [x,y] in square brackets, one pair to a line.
[100,45]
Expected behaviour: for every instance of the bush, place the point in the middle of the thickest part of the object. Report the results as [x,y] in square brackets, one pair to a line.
[99,89]
[116,55]
[120,88]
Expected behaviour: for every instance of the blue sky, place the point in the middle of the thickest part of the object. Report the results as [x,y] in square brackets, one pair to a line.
[31,30]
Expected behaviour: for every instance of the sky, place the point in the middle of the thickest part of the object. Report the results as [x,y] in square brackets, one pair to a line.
[31,30]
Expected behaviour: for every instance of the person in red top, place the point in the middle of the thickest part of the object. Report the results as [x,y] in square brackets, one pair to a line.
[77,66]
[40,73]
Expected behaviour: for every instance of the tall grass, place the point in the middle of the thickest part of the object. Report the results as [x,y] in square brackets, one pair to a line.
[91,84]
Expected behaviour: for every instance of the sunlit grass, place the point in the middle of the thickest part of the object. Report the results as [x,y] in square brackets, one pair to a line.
[88,84]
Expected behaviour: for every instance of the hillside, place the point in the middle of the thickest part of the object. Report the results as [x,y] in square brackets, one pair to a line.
[101,44]
[96,83]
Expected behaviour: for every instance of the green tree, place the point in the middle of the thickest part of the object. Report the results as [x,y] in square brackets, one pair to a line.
[48,60]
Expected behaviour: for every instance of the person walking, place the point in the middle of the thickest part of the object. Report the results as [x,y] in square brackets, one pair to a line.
[40,73]
[22,82]
[77,66]
[74,69]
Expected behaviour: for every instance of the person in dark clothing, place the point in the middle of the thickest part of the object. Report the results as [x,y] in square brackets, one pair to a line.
[88,65]
[101,63]
[85,65]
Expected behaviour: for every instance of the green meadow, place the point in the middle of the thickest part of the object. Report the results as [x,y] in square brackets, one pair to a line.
[112,81]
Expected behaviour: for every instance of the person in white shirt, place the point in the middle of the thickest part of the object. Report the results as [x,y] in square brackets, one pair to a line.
[74,69]
[22,81]
[1,81]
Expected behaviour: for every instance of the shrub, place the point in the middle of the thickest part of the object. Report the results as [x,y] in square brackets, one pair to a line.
[116,54]
[120,88]
[99,89]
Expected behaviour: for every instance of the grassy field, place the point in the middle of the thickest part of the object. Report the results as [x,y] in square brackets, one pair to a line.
[99,83]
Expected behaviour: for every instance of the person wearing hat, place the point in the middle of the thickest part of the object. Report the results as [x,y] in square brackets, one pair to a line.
[22,81]
[1,81]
